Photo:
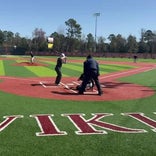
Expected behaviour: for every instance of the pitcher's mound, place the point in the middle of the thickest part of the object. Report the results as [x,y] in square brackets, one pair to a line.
[29,64]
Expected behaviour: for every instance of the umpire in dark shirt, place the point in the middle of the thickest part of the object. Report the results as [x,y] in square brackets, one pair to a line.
[91,71]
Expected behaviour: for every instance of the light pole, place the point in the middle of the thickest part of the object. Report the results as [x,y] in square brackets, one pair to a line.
[96,15]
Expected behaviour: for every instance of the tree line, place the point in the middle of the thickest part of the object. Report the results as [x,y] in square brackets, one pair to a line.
[74,41]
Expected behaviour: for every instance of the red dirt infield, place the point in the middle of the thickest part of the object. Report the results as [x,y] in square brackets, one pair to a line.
[112,88]
[29,64]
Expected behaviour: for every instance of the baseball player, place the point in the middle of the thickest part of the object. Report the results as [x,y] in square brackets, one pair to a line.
[60,60]
[32,57]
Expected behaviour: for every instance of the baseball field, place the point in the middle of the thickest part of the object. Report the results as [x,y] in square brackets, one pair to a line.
[40,119]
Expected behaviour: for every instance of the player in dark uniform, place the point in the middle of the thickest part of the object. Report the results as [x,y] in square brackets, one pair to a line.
[32,57]
[58,67]
[90,84]
[135,58]
[91,72]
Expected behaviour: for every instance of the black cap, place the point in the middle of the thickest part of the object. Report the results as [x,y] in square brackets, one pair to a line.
[89,56]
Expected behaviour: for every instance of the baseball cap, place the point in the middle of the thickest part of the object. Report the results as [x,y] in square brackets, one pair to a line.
[63,55]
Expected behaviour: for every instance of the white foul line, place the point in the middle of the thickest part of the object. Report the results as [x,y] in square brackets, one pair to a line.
[122,73]
[145,69]
[67,87]
[46,86]
[43,84]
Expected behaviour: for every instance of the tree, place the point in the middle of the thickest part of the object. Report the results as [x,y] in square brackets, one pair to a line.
[143,47]
[154,43]
[1,37]
[142,35]
[117,43]
[73,35]
[39,40]
[112,44]
[101,44]
[148,37]
[121,43]
[132,45]
[8,41]
[17,39]
[90,42]
[59,42]
[73,29]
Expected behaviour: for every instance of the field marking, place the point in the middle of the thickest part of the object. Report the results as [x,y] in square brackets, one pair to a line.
[143,69]
[70,84]
[42,84]
[150,69]
[94,90]
[127,72]
[67,87]
[18,78]
[91,93]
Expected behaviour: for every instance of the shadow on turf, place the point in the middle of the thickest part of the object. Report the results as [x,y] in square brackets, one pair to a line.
[119,84]
[63,93]
[113,84]
[36,84]
[46,84]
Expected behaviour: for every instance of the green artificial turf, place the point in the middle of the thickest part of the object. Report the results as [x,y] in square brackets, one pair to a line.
[19,138]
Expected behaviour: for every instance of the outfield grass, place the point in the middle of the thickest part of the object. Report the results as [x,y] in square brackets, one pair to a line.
[19,138]
[128,60]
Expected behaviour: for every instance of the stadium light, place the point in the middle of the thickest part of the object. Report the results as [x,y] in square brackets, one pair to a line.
[96,15]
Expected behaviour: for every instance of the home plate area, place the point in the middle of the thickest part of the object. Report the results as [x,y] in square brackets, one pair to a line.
[70,87]
[67,90]
[113,90]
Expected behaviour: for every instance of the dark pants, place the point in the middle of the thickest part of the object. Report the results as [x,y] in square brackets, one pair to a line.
[92,75]
[59,75]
